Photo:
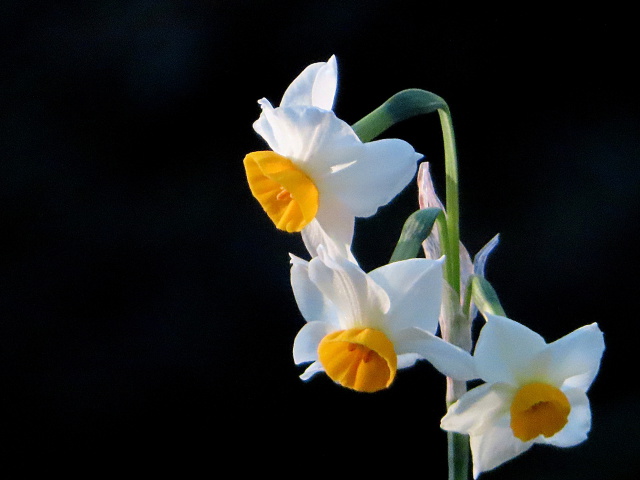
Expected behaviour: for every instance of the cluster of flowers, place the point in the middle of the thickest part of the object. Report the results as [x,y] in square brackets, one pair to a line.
[363,327]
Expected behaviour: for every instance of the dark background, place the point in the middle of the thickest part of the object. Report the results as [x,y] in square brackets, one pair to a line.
[146,314]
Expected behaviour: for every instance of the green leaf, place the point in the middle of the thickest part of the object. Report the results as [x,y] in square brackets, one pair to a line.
[403,105]
[415,230]
[484,296]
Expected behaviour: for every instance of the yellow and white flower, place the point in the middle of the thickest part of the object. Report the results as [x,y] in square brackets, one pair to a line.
[361,328]
[318,175]
[534,392]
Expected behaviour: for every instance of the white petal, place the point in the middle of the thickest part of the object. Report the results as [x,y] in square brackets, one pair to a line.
[262,126]
[359,300]
[494,447]
[407,360]
[315,367]
[312,304]
[315,86]
[505,351]
[379,171]
[444,356]
[305,345]
[414,287]
[478,409]
[313,138]
[574,360]
[578,424]
[333,228]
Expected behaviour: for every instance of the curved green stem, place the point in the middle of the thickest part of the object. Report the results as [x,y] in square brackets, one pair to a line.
[404,105]
[458,444]
[401,106]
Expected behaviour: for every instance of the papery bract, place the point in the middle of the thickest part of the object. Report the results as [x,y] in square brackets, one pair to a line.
[428,198]
[362,327]
[534,392]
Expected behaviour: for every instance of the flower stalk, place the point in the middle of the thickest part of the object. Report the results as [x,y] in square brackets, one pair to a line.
[452,247]
[459,333]
[456,328]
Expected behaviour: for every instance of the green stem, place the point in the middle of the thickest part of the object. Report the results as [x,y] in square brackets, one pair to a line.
[401,106]
[458,444]
[452,248]
[410,103]
[458,456]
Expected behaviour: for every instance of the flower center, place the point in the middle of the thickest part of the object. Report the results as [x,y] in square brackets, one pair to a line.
[538,409]
[360,359]
[286,193]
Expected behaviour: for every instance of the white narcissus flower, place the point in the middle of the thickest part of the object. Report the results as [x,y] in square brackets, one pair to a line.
[534,392]
[318,175]
[361,328]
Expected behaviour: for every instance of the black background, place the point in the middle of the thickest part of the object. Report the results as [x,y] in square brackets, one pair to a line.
[146,316]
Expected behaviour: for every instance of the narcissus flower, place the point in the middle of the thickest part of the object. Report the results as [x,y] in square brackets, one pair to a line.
[361,328]
[318,175]
[534,392]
